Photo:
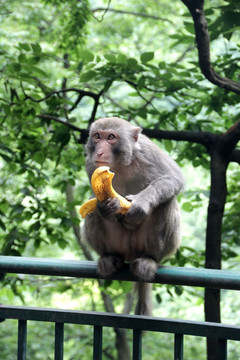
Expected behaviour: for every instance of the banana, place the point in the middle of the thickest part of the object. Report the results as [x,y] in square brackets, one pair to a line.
[88,207]
[101,182]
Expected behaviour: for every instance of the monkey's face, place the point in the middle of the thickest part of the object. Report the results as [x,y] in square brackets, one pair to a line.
[104,146]
[112,142]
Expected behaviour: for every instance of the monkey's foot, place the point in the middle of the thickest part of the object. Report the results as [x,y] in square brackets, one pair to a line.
[144,268]
[109,264]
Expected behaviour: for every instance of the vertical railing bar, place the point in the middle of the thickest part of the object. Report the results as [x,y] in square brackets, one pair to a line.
[22,339]
[137,344]
[97,343]
[59,338]
[178,347]
[222,349]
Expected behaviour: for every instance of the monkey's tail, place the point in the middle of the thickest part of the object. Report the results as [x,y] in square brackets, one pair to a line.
[144,301]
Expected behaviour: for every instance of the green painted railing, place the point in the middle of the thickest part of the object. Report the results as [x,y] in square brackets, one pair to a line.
[87,269]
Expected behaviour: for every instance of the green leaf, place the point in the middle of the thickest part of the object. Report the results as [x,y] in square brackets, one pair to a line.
[107,85]
[141,82]
[33,60]
[178,290]
[189,27]
[22,58]
[24,46]
[168,145]
[18,208]
[36,48]
[88,75]
[5,157]
[13,68]
[147,56]
[35,226]
[110,57]
[37,71]
[62,135]
[86,55]
[2,225]
[39,157]
[107,283]
[62,243]
[158,298]
[121,58]
[187,206]
[132,63]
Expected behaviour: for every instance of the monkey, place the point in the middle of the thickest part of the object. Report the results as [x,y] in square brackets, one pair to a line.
[151,230]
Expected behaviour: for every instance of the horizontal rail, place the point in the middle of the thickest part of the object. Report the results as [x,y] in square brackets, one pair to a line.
[135,322]
[220,279]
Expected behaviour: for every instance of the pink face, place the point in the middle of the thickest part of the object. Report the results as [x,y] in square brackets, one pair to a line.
[104,141]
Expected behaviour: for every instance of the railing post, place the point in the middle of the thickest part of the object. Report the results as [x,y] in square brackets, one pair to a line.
[97,343]
[137,344]
[22,339]
[59,337]
[178,347]
[222,346]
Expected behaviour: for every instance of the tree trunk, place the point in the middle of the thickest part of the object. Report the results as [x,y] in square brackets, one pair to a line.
[217,201]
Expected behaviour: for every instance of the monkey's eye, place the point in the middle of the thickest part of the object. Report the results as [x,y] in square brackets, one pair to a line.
[96,136]
[111,137]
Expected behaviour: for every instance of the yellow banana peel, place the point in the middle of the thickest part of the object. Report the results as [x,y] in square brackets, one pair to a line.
[101,182]
[88,207]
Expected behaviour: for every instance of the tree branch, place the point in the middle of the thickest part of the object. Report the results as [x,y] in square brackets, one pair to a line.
[95,107]
[235,156]
[84,132]
[57,92]
[196,8]
[126,12]
[231,137]
[227,140]
[200,137]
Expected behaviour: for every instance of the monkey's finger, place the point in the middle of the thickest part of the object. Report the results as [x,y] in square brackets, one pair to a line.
[109,206]
[88,207]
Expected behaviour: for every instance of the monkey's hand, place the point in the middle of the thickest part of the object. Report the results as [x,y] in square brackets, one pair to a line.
[136,213]
[109,208]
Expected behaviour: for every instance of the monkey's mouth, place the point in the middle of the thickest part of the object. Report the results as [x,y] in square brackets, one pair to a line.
[102,163]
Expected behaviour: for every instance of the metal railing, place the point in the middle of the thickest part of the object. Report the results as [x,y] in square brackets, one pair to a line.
[88,269]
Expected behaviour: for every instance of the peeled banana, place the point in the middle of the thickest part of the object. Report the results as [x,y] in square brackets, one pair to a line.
[101,182]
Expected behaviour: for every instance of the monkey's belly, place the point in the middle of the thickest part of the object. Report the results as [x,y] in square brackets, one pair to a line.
[128,243]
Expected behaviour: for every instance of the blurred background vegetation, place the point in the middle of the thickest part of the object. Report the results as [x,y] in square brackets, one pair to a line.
[64,64]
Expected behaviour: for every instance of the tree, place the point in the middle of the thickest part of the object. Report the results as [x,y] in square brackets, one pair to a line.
[76,65]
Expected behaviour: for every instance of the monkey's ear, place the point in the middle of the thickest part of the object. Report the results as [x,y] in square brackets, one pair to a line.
[136,132]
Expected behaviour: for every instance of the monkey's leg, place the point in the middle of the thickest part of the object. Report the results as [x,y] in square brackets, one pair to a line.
[144,268]
[109,264]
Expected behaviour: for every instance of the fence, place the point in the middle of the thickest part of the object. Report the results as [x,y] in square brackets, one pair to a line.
[87,269]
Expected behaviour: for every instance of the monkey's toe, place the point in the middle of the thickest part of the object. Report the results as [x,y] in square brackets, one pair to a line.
[144,268]
[107,265]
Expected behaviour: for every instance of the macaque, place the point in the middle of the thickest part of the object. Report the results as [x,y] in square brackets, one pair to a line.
[150,179]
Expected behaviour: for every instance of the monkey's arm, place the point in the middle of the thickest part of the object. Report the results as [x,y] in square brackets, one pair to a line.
[160,190]
[162,175]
